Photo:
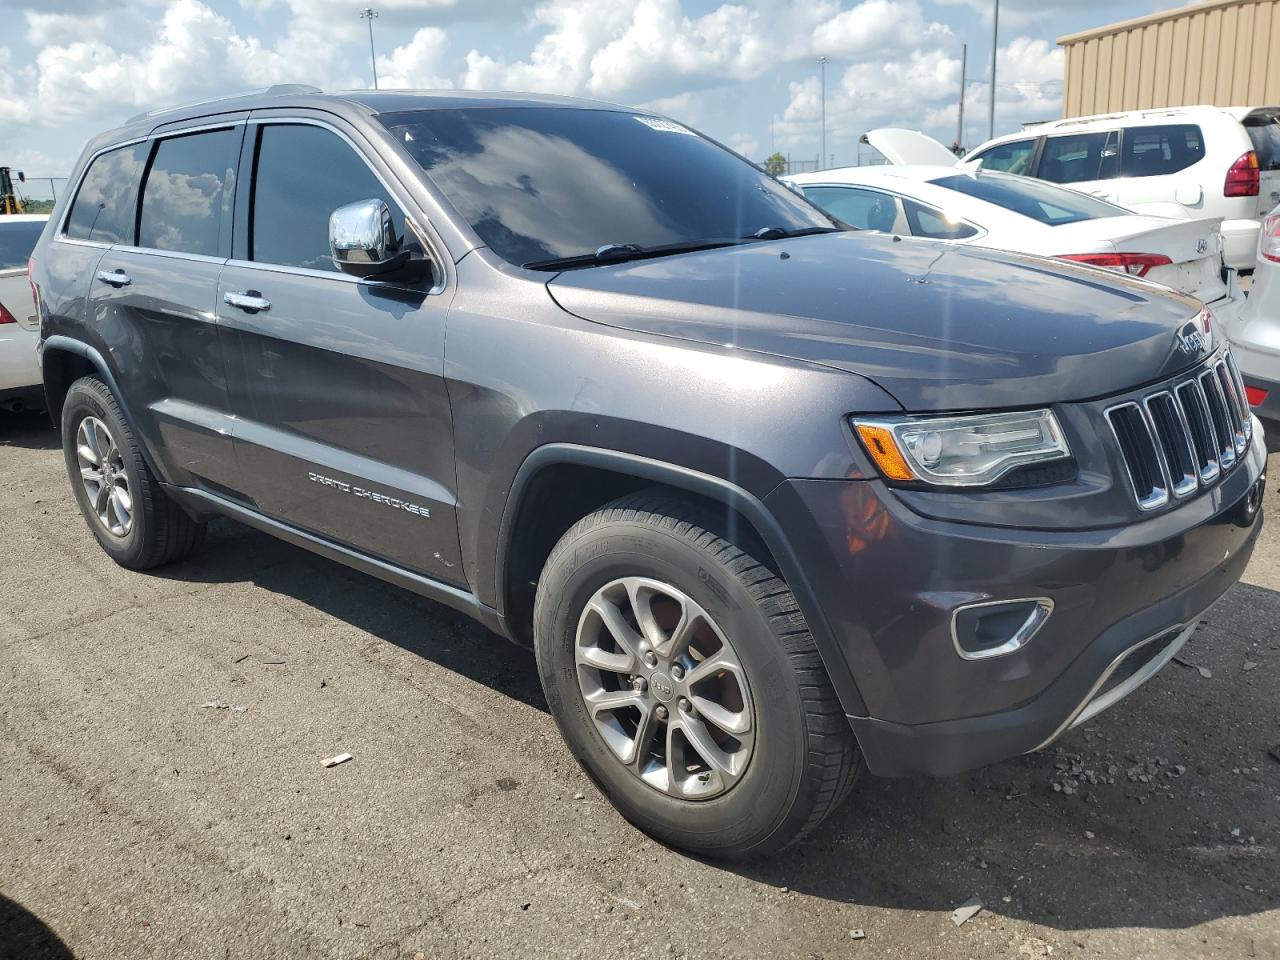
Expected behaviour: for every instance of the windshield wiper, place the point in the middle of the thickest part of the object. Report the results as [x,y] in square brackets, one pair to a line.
[779,233]
[623,252]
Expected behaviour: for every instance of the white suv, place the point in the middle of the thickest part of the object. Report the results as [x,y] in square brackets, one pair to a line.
[1208,161]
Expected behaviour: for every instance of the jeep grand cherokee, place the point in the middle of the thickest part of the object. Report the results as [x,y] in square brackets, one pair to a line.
[773,500]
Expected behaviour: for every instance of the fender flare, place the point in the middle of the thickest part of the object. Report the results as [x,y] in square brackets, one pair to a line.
[64,344]
[713,488]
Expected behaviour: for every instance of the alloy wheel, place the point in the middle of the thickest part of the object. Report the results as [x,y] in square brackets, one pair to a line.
[665,688]
[106,483]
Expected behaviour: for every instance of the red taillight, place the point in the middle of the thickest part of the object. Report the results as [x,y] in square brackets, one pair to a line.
[6,316]
[1134,264]
[1270,246]
[1256,395]
[1243,179]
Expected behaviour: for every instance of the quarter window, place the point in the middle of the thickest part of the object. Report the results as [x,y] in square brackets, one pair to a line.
[933,224]
[303,174]
[1080,157]
[864,209]
[1155,151]
[107,200]
[1013,157]
[186,202]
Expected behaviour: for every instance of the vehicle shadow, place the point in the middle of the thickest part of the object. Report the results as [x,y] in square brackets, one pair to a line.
[24,935]
[30,430]
[426,629]
[1132,843]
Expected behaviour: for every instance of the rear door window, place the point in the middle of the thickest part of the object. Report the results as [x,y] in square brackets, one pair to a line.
[864,209]
[304,173]
[187,199]
[1157,151]
[104,207]
[1012,157]
[1080,157]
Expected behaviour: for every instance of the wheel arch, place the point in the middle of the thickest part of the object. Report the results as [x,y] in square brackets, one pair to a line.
[527,534]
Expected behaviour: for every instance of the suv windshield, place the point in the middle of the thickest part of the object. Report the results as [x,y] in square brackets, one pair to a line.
[1031,198]
[541,184]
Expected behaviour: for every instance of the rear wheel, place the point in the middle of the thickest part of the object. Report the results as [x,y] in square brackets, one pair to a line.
[128,511]
[685,681]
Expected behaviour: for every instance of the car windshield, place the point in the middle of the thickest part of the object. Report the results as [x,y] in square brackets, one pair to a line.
[1040,201]
[1266,141]
[542,184]
[17,240]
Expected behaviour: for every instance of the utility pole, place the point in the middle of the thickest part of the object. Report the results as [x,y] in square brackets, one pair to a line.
[368,13]
[964,60]
[995,48]
[822,64]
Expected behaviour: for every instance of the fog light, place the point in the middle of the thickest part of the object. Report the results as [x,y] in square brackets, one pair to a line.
[981,631]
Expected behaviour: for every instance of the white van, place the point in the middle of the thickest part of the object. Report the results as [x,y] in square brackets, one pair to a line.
[1179,161]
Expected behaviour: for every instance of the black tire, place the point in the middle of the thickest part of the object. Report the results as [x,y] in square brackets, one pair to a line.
[161,531]
[805,759]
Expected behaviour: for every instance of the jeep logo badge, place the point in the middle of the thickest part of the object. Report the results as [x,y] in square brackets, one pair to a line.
[662,687]
[1190,340]
[1202,245]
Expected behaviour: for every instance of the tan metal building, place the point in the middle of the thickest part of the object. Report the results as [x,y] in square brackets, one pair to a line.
[1223,52]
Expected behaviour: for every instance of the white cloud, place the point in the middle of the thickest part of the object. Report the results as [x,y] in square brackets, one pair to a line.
[877,28]
[419,63]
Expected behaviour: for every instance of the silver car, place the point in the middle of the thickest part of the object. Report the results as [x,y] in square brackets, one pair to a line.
[1255,334]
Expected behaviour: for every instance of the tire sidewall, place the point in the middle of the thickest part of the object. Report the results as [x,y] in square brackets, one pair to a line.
[758,804]
[91,398]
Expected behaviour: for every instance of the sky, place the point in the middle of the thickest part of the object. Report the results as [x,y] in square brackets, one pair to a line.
[743,72]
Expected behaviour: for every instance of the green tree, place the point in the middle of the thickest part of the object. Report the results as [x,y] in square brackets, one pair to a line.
[775,165]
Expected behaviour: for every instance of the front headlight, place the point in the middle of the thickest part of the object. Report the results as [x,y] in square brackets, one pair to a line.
[970,451]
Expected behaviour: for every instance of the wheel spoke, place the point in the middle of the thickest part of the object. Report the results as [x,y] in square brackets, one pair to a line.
[640,594]
[125,500]
[91,474]
[678,644]
[618,627]
[120,508]
[718,661]
[608,700]
[88,454]
[642,748]
[699,738]
[730,721]
[605,660]
[100,498]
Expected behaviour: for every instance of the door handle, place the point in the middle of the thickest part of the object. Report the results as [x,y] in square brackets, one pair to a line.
[117,277]
[251,301]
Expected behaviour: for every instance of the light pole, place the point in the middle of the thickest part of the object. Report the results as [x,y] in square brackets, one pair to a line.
[995,47]
[822,64]
[368,13]
[964,61]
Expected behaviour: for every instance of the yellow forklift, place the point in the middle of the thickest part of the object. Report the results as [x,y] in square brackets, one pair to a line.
[10,202]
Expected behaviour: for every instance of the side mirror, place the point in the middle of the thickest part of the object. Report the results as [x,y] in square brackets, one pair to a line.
[362,239]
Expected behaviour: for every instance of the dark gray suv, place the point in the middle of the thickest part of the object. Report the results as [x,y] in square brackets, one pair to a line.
[772,499]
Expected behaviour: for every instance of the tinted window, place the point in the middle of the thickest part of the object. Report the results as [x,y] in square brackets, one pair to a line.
[105,205]
[304,173]
[1153,151]
[933,224]
[1266,141]
[1014,157]
[864,209]
[1031,198]
[186,202]
[1079,157]
[538,183]
[17,240]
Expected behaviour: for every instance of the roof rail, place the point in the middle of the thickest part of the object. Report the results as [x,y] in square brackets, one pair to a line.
[276,89]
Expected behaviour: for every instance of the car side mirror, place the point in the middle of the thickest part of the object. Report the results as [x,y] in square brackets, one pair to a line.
[363,241]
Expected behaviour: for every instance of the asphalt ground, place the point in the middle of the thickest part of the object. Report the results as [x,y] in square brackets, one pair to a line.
[137,822]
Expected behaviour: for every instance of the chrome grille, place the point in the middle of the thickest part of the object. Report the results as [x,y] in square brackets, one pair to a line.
[1183,436]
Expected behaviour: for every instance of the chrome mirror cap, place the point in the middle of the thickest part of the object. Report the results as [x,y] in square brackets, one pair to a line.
[362,238]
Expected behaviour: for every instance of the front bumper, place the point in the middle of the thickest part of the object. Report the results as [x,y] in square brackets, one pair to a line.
[889,581]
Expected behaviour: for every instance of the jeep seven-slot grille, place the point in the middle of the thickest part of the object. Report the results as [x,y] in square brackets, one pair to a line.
[1183,436]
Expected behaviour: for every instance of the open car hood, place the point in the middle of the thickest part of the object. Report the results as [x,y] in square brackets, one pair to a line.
[902,147]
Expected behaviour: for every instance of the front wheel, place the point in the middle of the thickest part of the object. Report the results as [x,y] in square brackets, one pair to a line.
[685,681]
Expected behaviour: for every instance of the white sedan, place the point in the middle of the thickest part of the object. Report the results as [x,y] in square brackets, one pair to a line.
[1255,334]
[20,380]
[1008,212]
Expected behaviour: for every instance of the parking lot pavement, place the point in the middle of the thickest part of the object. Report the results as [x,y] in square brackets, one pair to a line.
[137,821]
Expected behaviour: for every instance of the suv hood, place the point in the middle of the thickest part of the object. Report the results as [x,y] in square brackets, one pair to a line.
[909,147]
[940,327]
